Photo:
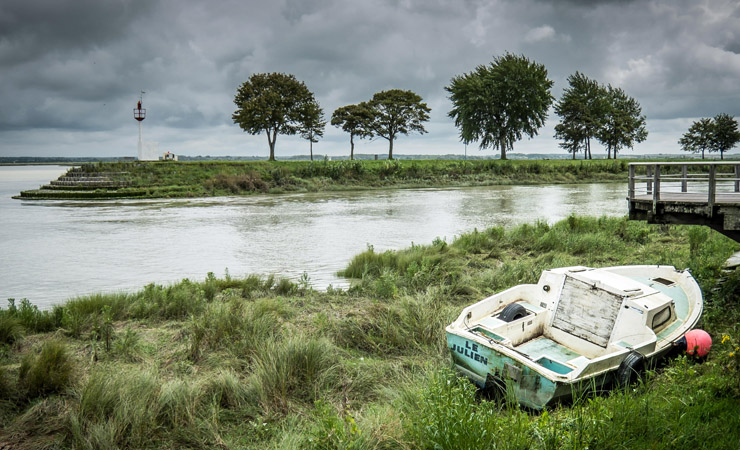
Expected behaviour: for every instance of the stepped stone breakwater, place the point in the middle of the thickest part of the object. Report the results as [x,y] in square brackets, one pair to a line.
[81,182]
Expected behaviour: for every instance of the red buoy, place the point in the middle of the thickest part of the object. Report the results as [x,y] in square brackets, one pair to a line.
[698,342]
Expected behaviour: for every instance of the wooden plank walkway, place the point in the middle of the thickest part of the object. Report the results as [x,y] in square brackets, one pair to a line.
[732,198]
[700,193]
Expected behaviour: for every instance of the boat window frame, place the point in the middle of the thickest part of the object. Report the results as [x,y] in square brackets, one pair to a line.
[665,320]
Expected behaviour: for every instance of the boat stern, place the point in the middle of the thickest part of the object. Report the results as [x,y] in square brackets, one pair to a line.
[488,367]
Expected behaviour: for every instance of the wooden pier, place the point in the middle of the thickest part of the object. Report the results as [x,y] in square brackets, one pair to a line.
[699,193]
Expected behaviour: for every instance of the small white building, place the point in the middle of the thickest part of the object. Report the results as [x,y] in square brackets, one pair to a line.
[168,156]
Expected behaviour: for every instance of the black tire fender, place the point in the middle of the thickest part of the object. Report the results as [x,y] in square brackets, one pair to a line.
[513,311]
[631,369]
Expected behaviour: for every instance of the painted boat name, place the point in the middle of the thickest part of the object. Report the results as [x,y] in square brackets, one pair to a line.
[471,351]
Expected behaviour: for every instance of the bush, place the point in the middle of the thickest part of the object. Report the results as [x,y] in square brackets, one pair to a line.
[29,316]
[331,431]
[49,372]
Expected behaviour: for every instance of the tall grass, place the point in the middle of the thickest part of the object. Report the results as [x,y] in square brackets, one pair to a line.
[235,325]
[294,372]
[29,317]
[408,326]
[445,413]
[135,408]
[506,258]
[48,372]
[11,329]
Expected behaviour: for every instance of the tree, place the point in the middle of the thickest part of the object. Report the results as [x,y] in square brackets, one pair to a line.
[726,134]
[313,124]
[623,125]
[699,137]
[396,112]
[581,110]
[499,103]
[355,120]
[275,103]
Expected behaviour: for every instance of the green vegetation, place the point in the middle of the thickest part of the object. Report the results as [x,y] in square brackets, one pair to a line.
[353,119]
[395,112]
[277,103]
[589,110]
[498,104]
[206,179]
[268,363]
[719,134]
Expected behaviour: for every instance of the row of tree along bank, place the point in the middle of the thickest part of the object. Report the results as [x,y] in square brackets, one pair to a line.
[206,179]
[494,105]
[268,363]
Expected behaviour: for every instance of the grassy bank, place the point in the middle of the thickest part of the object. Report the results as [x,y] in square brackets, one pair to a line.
[267,363]
[204,179]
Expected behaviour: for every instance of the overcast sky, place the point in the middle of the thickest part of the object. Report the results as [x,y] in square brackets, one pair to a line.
[71,71]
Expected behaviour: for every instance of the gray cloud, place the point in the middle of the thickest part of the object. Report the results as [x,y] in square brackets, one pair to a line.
[75,67]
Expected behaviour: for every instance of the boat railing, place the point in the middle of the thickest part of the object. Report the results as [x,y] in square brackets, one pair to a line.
[702,181]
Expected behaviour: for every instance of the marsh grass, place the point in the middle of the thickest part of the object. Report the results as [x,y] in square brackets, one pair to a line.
[295,371]
[135,408]
[11,329]
[128,345]
[263,363]
[408,326]
[29,317]
[48,372]
[199,179]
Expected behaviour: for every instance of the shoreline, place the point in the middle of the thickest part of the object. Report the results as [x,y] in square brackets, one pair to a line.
[213,179]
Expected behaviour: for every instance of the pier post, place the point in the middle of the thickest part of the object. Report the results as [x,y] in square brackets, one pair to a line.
[684,179]
[712,188]
[656,188]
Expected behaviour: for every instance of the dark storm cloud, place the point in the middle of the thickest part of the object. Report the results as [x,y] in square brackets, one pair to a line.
[80,64]
[29,29]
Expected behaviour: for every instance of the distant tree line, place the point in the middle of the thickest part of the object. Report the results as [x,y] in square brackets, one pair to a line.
[276,103]
[719,134]
[495,105]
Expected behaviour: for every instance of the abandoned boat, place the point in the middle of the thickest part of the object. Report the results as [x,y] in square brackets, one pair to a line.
[576,327]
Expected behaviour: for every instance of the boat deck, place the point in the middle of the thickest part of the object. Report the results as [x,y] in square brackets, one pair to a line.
[543,346]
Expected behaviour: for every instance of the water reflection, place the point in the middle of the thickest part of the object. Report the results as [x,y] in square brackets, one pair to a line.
[57,249]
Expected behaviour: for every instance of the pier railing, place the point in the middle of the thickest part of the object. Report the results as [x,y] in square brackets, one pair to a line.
[685,181]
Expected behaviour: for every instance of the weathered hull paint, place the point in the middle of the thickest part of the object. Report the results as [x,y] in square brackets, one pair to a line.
[531,388]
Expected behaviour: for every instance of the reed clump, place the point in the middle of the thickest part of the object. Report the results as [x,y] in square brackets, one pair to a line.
[48,372]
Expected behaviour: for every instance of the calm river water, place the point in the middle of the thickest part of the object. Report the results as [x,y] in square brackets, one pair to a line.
[53,250]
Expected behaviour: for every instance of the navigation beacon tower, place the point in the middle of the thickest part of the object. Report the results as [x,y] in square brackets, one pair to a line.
[140,115]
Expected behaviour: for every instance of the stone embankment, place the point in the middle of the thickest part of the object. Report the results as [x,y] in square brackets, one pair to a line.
[83,182]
